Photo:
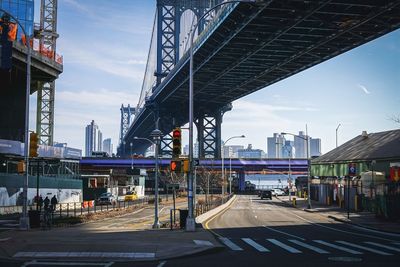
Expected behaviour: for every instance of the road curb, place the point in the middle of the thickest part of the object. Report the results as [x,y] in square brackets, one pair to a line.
[361,225]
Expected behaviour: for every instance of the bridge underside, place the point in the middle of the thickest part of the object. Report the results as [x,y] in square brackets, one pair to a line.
[258,45]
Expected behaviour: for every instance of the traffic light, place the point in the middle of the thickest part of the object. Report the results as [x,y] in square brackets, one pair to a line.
[33,145]
[176,142]
[186,165]
[176,165]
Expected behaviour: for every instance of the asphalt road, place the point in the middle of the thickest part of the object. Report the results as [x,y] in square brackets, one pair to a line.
[268,233]
[258,232]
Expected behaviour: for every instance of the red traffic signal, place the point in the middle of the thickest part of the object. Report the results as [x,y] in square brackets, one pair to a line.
[177,133]
[176,165]
[176,142]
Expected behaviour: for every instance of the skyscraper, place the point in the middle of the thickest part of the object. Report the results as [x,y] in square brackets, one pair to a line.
[315,147]
[275,146]
[107,146]
[93,139]
[300,145]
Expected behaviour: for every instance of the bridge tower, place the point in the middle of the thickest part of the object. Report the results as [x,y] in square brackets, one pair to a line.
[169,18]
[127,114]
[45,97]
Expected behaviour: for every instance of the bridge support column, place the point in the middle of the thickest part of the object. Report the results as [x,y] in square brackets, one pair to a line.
[209,133]
[241,181]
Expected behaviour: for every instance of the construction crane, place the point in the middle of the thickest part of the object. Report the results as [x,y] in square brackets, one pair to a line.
[45,97]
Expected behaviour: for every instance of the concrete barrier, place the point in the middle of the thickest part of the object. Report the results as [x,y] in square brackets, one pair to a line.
[205,216]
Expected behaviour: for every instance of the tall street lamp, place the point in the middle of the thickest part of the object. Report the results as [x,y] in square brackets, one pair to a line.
[337,128]
[24,220]
[308,164]
[190,223]
[156,134]
[131,144]
[230,164]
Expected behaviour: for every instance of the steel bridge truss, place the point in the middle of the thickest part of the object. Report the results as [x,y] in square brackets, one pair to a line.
[46,94]
[127,114]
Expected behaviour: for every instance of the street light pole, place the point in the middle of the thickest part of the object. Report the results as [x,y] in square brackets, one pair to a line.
[337,128]
[131,156]
[190,223]
[222,163]
[156,134]
[308,164]
[24,220]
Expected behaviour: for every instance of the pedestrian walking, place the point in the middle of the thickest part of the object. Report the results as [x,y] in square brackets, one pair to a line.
[54,202]
[40,203]
[46,203]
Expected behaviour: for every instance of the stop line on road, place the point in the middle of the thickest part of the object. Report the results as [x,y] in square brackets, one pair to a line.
[295,246]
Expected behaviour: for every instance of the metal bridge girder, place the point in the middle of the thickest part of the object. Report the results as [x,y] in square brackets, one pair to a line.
[46,94]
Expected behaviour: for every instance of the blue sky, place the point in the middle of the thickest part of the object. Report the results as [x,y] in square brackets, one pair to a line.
[105,45]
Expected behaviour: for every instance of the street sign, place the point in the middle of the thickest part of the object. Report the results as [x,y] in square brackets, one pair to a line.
[196,162]
[352,169]
[173,186]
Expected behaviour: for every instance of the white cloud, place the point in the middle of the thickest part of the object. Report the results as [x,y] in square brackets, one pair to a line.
[97,98]
[365,90]
[112,61]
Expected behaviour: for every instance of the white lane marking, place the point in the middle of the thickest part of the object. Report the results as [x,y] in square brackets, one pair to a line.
[203,243]
[161,264]
[338,247]
[230,244]
[396,243]
[383,246]
[272,229]
[364,248]
[5,239]
[284,246]
[84,254]
[318,250]
[255,245]
[376,231]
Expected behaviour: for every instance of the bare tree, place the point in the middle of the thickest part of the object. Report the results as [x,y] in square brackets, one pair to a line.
[395,118]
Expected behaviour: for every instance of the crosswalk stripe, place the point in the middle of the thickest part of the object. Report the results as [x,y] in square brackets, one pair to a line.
[255,245]
[338,247]
[230,244]
[318,250]
[364,248]
[284,246]
[383,246]
[396,243]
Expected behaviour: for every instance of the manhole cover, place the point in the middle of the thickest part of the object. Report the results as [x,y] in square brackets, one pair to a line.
[345,259]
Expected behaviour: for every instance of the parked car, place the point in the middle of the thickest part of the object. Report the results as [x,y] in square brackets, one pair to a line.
[106,199]
[278,192]
[130,196]
[266,194]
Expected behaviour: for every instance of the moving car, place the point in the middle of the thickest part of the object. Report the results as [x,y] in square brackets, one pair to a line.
[106,199]
[278,192]
[266,194]
[130,196]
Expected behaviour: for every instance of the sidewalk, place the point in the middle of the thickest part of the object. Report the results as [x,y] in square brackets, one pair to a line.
[363,219]
[105,241]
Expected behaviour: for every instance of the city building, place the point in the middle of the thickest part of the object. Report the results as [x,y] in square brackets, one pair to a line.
[93,139]
[288,150]
[275,146]
[23,10]
[232,151]
[315,147]
[195,150]
[108,146]
[300,145]
[250,153]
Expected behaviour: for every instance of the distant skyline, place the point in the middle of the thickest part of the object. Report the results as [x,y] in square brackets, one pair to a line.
[105,45]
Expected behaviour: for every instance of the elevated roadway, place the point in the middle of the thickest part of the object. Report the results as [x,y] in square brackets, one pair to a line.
[255,45]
